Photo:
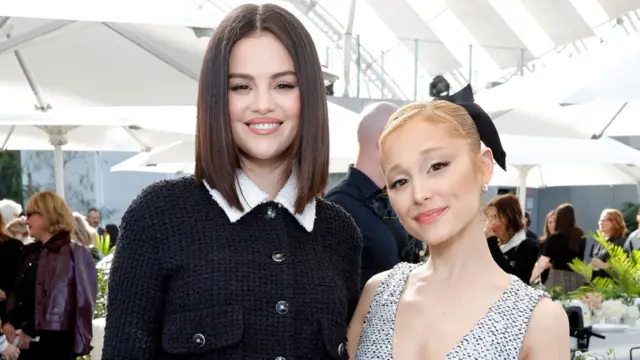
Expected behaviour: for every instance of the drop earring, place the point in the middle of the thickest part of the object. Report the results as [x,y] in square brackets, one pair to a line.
[485,188]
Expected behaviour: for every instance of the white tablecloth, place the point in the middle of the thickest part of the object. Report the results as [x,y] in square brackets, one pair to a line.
[619,342]
[98,338]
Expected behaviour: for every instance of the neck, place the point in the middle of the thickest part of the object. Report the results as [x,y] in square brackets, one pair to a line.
[370,167]
[269,177]
[45,237]
[464,256]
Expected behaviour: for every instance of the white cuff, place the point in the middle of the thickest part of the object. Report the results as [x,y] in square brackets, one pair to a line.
[4,344]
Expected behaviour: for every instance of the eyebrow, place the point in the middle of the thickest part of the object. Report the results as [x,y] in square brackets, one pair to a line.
[423,152]
[274,76]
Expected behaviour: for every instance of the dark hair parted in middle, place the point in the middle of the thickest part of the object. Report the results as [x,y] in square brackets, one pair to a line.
[217,156]
[508,208]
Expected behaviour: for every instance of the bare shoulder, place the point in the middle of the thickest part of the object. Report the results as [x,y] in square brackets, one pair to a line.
[360,315]
[547,336]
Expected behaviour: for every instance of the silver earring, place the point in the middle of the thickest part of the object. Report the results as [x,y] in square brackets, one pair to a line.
[485,188]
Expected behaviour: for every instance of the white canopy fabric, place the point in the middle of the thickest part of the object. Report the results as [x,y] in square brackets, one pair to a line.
[61,130]
[165,12]
[179,157]
[608,73]
[542,120]
[553,175]
[543,162]
[604,118]
[58,63]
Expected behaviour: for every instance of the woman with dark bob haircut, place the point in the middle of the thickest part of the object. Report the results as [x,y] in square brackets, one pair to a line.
[243,260]
[510,246]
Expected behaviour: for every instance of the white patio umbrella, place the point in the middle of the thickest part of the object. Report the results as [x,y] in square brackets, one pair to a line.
[53,63]
[604,118]
[179,157]
[91,129]
[543,120]
[543,162]
[608,73]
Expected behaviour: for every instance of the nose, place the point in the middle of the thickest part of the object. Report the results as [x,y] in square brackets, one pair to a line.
[421,192]
[263,102]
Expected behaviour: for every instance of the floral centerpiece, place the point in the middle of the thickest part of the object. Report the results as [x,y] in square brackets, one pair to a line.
[615,299]
[579,355]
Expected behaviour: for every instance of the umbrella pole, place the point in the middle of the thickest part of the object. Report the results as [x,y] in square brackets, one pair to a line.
[523,171]
[58,170]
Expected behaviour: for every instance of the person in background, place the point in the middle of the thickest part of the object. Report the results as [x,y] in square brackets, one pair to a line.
[17,229]
[517,253]
[633,241]
[360,193]
[549,228]
[113,232]
[10,256]
[54,297]
[93,218]
[243,260]
[86,235]
[614,229]
[565,244]
[527,225]
[10,210]
[7,350]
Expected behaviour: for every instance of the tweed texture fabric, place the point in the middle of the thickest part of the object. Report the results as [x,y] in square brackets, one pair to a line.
[186,283]
[497,336]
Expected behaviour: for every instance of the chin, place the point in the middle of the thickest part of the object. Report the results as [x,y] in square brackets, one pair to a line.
[264,154]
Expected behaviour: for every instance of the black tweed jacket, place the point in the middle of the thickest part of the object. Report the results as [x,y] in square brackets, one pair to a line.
[186,283]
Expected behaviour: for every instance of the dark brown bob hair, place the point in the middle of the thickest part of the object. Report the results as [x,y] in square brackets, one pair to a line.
[508,208]
[217,156]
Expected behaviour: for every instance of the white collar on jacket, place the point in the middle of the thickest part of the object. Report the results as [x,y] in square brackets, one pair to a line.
[251,196]
[519,237]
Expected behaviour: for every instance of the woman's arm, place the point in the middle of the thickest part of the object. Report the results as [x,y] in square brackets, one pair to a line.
[526,258]
[86,280]
[354,264]
[547,336]
[542,264]
[357,321]
[136,289]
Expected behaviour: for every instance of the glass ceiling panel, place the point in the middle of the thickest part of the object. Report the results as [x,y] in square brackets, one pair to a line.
[524,25]
[593,14]
[455,36]
[379,41]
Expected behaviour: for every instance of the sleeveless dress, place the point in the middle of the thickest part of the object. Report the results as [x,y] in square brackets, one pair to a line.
[497,336]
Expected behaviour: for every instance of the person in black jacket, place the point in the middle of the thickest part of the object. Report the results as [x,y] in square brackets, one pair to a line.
[385,242]
[246,261]
[510,247]
[10,258]
[614,229]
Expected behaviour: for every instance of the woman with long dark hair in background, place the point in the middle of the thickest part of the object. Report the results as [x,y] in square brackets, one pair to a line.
[565,244]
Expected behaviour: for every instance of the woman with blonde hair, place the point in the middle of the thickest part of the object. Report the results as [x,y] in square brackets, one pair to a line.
[435,171]
[17,229]
[85,234]
[614,229]
[549,228]
[55,310]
